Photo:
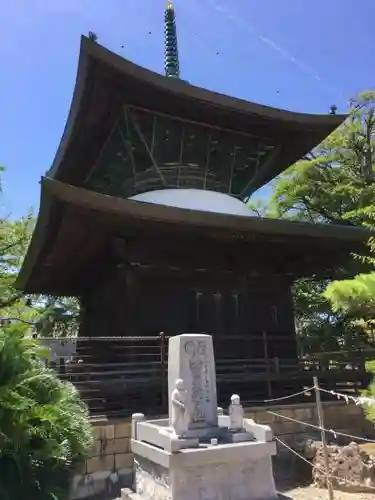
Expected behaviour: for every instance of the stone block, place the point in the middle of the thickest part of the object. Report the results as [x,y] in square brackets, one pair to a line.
[96,449]
[251,414]
[93,465]
[91,485]
[262,417]
[81,468]
[108,432]
[288,428]
[108,447]
[123,430]
[123,461]
[285,412]
[303,414]
[97,431]
[122,445]
[277,428]
[100,464]
[126,477]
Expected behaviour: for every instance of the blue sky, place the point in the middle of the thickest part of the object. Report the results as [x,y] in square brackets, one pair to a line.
[291,54]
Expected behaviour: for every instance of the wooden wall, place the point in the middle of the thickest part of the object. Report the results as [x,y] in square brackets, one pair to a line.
[240,311]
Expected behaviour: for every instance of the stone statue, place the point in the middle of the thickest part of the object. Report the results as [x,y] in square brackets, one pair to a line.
[236,413]
[179,409]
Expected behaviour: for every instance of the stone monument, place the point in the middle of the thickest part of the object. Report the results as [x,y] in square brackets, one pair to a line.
[194,363]
[199,453]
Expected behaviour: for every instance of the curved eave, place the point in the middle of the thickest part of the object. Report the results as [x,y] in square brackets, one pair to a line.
[43,233]
[56,195]
[236,113]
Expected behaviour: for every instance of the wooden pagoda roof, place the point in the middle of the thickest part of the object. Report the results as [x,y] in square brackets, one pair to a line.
[83,198]
[106,82]
[76,227]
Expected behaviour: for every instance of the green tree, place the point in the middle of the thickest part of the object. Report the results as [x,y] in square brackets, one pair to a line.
[356,296]
[334,184]
[336,180]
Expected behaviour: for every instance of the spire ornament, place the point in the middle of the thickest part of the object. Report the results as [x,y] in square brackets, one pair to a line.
[171,58]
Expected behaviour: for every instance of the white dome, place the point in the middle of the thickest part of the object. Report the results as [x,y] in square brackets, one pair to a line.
[195,199]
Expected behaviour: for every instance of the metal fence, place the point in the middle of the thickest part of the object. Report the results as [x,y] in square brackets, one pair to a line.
[122,375]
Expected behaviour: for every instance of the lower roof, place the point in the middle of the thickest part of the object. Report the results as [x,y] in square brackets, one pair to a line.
[75,226]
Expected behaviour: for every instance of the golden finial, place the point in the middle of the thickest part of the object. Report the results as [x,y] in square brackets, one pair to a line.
[169,4]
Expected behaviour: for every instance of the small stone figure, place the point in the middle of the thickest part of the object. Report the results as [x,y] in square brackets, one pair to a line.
[236,413]
[179,410]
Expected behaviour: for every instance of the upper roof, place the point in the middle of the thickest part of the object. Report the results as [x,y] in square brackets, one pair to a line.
[267,140]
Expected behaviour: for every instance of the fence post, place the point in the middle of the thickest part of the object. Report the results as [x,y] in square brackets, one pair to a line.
[163,375]
[319,410]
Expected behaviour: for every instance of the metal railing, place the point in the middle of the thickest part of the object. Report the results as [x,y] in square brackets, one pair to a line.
[125,374]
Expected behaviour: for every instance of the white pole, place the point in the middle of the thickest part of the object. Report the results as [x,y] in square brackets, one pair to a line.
[319,410]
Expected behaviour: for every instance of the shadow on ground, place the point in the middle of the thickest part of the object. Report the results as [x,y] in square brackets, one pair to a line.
[291,473]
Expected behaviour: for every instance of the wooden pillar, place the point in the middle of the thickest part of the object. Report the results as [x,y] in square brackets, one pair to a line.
[130,302]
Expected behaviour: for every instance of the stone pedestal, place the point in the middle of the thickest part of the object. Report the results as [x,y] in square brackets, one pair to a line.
[223,472]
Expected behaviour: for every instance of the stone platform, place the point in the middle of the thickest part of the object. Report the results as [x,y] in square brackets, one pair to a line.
[128,494]
[238,471]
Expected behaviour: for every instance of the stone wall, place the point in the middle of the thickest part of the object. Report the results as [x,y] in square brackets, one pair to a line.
[110,466]
[338,415]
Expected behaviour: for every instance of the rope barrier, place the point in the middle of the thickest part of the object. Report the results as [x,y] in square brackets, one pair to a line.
[357,400]
[289,396]
[331,431]
[282,398]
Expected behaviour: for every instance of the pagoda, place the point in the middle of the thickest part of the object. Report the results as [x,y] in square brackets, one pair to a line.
[143,214]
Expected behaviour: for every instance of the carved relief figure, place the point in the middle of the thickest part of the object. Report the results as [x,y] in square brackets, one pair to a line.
[236,413]
[180,414]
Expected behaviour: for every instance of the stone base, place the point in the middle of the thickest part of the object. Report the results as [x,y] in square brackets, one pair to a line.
[239,437]
[240,471]
[128,494]
[100,484]
[158,433]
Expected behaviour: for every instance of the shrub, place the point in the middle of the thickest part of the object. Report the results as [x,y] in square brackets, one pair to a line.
[44,426]
[370,392]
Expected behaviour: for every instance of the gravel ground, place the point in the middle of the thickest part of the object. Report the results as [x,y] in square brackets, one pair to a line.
[293,479]
[311,493]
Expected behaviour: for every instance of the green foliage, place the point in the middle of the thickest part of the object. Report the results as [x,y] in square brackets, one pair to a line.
[44,427]
[14,240]
[335,184]
[357,296]
[370,392]
[336,180]
[318,328]
[353,295]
